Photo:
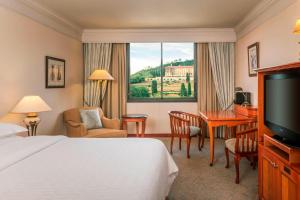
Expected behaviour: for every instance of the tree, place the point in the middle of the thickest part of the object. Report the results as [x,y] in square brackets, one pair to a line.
[139,91]
[188,77]
[183,91]
[154,87]
[137,79]
[189,92]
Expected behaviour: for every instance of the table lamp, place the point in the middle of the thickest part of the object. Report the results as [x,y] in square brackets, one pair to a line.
[297,29]
[31,105]
[100,75]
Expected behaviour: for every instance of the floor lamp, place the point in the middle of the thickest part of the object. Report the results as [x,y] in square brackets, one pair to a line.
[100,75]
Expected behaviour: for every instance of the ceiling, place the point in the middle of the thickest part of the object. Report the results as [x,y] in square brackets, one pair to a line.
[97,14]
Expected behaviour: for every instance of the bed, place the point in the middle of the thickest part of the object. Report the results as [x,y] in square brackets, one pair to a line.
[62,168]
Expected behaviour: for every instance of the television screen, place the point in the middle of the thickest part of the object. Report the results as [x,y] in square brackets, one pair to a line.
[282,105]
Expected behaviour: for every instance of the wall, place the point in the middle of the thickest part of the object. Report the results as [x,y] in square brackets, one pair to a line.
[24,45]
[158,119]
[159,35]
[278,45]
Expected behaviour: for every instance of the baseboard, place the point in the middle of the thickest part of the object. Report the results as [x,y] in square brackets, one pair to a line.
[152,135]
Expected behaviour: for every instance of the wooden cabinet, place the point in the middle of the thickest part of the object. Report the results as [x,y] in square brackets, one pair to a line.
[279,165]
[270,179]
[278,180]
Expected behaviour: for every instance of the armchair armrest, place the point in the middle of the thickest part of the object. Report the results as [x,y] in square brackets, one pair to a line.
[75,129]
[74,124]
[111,123]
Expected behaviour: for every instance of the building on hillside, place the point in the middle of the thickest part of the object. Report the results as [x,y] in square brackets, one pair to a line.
[176,73]
[179,71]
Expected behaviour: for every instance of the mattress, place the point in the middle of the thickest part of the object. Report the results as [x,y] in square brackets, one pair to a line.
[62,168]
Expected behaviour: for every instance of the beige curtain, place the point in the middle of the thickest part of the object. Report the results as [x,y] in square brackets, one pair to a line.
[111,57]
[216,77]
[222,62]
[114,104]
[207,95]
[96,56]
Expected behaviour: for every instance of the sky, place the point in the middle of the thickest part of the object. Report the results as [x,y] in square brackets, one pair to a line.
[143,55]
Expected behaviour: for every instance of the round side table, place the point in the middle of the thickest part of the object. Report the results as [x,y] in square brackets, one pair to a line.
[137,118]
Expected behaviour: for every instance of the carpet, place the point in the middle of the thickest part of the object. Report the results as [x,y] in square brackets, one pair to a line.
[197,180]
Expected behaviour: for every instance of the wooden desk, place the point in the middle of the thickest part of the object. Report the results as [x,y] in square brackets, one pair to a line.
[137,118]
[224,118]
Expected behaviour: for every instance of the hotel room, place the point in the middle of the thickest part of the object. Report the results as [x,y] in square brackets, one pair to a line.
[154,100]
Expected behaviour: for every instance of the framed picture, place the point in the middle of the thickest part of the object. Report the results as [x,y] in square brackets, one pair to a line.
[253,59]
[55,72]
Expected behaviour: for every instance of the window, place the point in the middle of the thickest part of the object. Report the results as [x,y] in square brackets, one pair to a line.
[161,72]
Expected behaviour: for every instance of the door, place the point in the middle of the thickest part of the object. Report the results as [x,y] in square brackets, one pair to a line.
[270,179]
[279,182]
[288,183]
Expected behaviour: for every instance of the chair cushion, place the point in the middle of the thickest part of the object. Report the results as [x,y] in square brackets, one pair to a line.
[194,130]
[91,118]
[230,144]
[106,133]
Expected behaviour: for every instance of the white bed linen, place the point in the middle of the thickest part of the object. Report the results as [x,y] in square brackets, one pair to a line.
[61,168]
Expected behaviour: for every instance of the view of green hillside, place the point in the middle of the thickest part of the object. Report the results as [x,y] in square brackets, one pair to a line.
[147,82]
[152,72]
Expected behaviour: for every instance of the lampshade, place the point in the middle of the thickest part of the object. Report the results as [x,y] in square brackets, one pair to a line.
[297,27]
[31,104]
[100,74]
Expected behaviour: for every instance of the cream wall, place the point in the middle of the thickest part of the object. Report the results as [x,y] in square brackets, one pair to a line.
[24,45]
[278,45]
[158,120]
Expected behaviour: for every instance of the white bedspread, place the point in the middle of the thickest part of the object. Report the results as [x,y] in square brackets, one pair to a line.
[61,168]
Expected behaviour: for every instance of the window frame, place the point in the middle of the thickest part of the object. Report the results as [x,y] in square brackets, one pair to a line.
[161,99]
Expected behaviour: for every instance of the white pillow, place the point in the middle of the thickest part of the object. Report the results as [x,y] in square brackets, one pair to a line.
[91,118]
[7,129]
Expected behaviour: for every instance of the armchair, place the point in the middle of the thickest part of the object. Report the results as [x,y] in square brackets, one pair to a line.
[75,128]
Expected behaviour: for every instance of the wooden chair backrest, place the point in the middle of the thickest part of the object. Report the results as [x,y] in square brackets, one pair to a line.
[246,138]
[180,123]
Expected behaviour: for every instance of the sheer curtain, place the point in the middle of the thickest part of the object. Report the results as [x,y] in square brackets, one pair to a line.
[215,63]
[222,62]
[95,56]
[111,57]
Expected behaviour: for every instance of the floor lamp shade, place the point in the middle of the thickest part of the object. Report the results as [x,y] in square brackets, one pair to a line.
[100,75]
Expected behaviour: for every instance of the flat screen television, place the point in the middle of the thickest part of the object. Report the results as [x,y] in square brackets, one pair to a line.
[282,106]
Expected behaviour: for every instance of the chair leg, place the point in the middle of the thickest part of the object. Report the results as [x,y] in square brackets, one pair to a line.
[226,133]
[199,141]
[171,146]
[254,162]
[180,143]
[188,147]
[227,157]
[203,138]
[237,168]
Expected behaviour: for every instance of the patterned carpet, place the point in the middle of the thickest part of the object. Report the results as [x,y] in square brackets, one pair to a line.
[197,180]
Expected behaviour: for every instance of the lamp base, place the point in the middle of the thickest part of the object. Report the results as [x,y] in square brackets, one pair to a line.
[31,122]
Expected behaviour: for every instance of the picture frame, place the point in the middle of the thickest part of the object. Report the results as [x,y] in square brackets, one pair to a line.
[55,72]
[253,59]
